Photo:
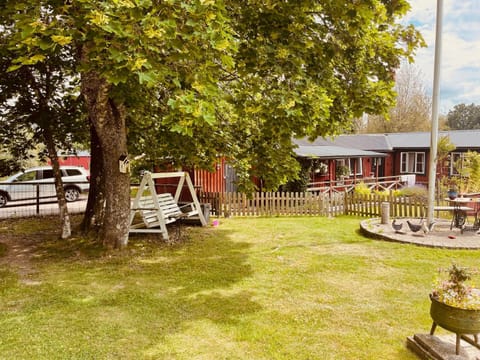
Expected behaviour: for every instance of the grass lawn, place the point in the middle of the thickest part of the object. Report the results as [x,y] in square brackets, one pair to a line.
[254,288]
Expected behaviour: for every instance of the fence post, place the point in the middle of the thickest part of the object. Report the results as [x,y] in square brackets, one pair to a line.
[37,187]
[385,213]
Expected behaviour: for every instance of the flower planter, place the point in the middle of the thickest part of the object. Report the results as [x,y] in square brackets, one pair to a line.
[452,194]
[459,321]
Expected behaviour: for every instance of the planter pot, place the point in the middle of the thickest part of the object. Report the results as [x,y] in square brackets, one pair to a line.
[452,194]
[459,321]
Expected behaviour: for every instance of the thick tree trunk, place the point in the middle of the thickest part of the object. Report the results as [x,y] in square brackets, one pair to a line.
[95,210]
[108,118]
[62,203]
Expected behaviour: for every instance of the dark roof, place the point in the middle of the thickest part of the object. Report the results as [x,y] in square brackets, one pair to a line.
[373,142]
[462,139]
[332,152]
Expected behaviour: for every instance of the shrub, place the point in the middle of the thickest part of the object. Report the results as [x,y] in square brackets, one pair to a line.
[387,192]
[418,193]
[362,189]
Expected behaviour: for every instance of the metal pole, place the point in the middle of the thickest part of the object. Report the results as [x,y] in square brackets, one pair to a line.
[432,174]
[37,203]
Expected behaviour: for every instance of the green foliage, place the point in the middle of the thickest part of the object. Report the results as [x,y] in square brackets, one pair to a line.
[362,189]
[386,192]
[8,167]
[464,117]
[38,86]
[341,170]
[468,179]
[418,193]
[300,183]
[444,148]
[207,78]
[472,163]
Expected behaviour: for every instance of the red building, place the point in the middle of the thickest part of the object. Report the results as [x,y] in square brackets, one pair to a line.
[80,158]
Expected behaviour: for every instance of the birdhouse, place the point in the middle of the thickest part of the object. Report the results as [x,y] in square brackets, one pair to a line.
[124,164]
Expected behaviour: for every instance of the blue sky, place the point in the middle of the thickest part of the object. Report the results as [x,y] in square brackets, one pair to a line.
[460,61]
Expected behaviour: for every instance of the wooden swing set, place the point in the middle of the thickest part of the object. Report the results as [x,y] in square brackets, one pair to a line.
[158,210]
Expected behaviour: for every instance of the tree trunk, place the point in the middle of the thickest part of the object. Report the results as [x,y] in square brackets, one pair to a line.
[95,209]
[62,203]
[108,118]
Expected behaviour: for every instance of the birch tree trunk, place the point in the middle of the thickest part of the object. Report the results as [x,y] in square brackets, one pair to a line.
[108,119]
[57,175]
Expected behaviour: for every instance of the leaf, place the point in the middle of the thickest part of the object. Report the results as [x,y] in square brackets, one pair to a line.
[222,44]
[14,67]
[45,45]
[62,40]
[147,77]
[139,62]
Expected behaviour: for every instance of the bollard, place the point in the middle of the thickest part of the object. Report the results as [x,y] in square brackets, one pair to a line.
[385,212]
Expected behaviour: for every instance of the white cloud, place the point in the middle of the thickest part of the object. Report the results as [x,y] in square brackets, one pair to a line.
[460,62]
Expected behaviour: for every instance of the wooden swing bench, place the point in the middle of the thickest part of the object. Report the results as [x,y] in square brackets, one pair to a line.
[158,210]
[170,210]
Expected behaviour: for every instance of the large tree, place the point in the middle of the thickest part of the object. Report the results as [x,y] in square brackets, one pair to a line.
[464,117]
[412,106]
[38,94]
[199,78]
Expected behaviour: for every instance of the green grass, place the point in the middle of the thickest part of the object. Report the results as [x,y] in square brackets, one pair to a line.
[256,288]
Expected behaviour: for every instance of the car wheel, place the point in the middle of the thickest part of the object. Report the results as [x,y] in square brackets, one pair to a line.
[3,199]
[71,194]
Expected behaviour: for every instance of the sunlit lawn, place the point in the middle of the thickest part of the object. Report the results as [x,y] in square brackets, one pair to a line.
[255,288]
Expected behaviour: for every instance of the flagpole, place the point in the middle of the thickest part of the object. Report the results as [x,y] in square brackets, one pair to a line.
[432,174]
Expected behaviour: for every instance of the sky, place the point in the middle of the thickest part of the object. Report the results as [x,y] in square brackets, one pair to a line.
[460,59]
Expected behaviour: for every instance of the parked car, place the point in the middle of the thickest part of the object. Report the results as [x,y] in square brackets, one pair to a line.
[24,185]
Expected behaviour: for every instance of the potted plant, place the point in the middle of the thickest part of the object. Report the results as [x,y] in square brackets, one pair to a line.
[321,168]
[455,305]
[341,171]
[452,192]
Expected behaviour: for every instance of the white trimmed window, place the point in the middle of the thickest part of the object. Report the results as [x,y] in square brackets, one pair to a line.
[355,165]
[457,161]
[412,162]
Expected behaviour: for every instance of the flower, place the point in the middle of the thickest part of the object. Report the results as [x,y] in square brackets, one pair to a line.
[321,168]
[456,291]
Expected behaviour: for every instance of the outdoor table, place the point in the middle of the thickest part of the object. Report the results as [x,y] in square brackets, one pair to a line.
[459,211]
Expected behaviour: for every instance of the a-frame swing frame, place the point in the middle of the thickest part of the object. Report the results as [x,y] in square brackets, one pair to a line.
[158,210]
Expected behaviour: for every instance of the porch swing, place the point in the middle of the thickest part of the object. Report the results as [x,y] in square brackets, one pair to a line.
[158,210]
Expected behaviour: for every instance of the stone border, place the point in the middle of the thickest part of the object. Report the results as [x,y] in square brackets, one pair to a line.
[440,237]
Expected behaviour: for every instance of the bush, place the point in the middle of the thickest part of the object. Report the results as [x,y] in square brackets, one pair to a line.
[362,189]
[419,193]
[388,192]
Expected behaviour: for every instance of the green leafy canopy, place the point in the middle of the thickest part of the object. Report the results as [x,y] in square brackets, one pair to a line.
[204,78]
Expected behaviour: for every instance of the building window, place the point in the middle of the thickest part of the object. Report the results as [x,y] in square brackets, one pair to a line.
[457,162]
[354,165]
[376,165]
[412,162]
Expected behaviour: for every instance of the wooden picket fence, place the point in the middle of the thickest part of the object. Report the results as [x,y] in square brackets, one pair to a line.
[371,205]
[310,204]
[274,204]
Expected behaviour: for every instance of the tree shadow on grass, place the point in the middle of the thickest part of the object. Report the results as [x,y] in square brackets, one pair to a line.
[141,296]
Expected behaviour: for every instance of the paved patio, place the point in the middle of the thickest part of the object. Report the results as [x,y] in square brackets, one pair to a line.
[441,235]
